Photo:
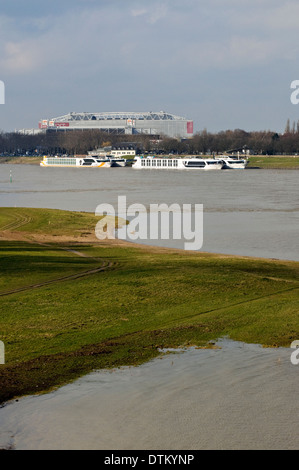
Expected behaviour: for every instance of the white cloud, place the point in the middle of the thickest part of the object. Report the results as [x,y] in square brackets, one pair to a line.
[204,34]
[232,53]
[157,13]
[265,16]
[139,11]
[20,57]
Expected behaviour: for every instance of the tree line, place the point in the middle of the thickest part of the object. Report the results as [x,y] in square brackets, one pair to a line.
[79,142]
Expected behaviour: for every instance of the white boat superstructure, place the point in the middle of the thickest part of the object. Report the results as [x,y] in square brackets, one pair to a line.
[188,163]
[76,162]
[233,163]
[118,161]
[115,161]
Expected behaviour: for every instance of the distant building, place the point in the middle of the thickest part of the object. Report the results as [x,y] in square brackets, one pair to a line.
[120,150]
[149,123]
[29,131]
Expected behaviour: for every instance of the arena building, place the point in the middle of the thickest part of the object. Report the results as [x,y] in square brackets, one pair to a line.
[149,123]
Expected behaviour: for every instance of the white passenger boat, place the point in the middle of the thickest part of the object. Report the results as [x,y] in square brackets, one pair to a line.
[234,163]
[118,161]
[77,162]
[188,163]
[115,161]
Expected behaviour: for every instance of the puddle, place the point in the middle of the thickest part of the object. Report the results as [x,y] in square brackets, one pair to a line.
[236,396]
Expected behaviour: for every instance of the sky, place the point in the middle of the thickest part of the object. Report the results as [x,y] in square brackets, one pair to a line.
[225,64]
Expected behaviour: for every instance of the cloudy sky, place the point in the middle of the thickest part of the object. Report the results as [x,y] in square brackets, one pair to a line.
[226,64]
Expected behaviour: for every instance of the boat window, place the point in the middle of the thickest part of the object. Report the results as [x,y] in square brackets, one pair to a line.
[61,161]
[196,164]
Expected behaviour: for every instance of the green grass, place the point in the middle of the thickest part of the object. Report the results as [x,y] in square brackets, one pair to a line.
[47,221]
[50,222]
[145,300]
[24,264]
[275,162]
[29,160]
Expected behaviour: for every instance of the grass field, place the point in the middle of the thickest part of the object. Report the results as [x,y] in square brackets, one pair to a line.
[28,160]
[71,303]
[274,162]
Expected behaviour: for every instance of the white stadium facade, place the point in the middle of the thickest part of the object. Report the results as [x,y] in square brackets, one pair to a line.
[148,123]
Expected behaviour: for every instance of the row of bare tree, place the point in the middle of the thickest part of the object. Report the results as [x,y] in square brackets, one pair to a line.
[203,142]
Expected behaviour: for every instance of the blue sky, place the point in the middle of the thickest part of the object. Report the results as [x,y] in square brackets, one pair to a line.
[226,64]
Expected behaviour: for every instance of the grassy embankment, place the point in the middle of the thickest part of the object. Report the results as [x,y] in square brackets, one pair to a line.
[71,303]
[275,162]
[16,160]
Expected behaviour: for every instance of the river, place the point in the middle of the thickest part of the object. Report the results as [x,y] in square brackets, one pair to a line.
[236,396]
[245,212]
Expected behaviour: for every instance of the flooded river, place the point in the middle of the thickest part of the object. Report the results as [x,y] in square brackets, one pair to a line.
[237,396]
[251,212]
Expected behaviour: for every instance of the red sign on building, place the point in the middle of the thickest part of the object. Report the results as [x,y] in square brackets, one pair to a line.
[43,124]
[190,127]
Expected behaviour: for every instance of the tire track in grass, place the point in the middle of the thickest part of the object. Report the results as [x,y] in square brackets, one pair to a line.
[236,304]
[19,221]
[23,220]
[105,265]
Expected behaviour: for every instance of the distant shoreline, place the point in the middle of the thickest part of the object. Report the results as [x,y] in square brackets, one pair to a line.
[267,162]
[21,160]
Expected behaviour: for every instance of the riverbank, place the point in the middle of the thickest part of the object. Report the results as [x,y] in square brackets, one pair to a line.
[257,161]
[72,303]
[275,162]
[21,160]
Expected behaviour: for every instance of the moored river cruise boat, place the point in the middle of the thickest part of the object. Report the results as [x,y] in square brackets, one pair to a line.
[233,163]
[188,163]
[118,161]
[76,162]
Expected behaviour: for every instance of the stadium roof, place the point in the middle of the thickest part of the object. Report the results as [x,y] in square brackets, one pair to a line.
[151,116]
